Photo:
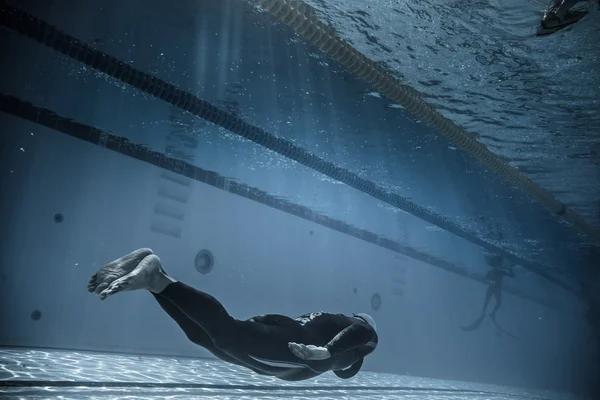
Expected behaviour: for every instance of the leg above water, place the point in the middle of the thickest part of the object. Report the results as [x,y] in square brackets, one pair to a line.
[560,16]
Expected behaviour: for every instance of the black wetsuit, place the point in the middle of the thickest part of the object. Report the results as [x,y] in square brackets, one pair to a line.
[261,343]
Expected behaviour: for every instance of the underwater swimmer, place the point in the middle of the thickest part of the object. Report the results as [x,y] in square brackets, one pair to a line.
[561,15]
[274,345]
[494,279]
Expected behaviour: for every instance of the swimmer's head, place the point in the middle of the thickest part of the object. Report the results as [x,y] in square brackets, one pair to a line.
[368,319]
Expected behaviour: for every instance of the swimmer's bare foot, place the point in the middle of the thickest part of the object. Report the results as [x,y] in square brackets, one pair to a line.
[148,275]
[116,269]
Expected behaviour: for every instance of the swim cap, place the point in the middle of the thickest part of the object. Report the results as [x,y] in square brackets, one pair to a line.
[368,319]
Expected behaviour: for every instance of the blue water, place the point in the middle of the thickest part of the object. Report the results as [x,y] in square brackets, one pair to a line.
[531,100]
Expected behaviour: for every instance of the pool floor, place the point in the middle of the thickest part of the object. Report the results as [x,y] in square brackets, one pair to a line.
[39,373]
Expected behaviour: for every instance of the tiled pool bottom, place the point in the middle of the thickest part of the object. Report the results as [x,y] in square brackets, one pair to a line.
[43,374]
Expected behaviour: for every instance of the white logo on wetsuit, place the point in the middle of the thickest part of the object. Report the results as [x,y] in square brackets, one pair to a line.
[306,318]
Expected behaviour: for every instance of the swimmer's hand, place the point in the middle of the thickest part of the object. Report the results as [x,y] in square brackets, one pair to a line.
[309,352]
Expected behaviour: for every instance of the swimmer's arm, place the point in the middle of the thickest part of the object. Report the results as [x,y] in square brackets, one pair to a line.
[350,371]
[353,337]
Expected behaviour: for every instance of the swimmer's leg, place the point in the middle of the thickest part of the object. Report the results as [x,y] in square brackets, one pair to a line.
[245,341]
[114,270]
[477,323]
[194,332]
[498,297]
[258,346]
[147,275]
[488,296]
